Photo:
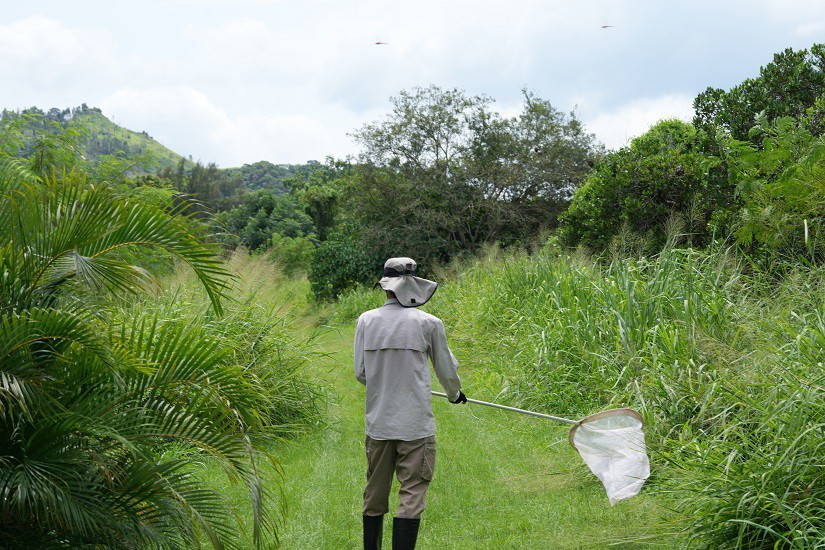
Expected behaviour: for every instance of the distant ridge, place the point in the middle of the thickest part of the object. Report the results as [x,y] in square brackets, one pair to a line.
[106,138]
[103,137]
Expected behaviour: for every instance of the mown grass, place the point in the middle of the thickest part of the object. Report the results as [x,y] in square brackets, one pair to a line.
[502,481]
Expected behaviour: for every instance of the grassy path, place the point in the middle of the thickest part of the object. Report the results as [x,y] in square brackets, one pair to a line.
[503,481]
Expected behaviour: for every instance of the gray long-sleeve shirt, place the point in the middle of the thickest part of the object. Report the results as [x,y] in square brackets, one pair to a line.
[392,344]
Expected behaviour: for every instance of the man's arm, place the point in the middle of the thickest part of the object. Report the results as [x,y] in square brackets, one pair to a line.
[444,362]
[358,352]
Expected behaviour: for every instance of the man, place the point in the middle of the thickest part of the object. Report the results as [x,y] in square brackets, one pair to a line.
[392,344]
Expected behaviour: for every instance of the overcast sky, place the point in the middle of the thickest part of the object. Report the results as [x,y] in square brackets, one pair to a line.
[235,82]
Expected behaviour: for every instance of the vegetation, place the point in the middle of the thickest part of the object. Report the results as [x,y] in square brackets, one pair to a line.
[640,188]
[103,141]
[502,480]
[106,405]
[702,308]
[444,174]
[263,214]
[725,367]
[790,86]
[265,175]
[737,170]
[685,279]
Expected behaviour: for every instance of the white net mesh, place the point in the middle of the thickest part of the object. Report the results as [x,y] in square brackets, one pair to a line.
[612,445]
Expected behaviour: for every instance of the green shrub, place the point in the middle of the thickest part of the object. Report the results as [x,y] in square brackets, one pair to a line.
[640,187]
[341,263]
[293,254]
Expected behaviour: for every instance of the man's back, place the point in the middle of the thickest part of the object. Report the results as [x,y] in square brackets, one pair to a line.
[392,344]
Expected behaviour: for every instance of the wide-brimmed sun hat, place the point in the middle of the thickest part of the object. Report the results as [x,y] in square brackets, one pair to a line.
[399,278]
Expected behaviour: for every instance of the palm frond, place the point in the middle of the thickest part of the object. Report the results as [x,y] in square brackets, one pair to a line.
[14,174]
[87,405]
[32,338]
[68,227]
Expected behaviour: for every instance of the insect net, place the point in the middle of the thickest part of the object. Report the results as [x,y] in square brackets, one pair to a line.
[612,445]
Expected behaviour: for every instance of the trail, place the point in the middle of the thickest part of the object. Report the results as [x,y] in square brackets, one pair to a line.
[502,480]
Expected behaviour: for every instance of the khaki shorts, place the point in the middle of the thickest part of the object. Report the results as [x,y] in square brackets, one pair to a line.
[413,462]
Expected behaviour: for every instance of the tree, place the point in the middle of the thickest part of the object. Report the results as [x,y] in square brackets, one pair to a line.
[340,263]
[787,87]
[262,214]
[444,174]
[318,188]
[530,165]
[640,187]
[207,188]
[410,190]
[321,203]
[89,405]
[47,144]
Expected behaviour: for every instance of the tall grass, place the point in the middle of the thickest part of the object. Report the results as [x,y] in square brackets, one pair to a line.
[268,327]
[354,302]
[261,327]
[725,364]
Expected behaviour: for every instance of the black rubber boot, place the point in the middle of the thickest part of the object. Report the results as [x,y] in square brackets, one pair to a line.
[373,529]
[404,533]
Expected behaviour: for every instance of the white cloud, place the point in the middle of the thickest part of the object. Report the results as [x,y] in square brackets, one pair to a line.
[50,47]
[292,138]
[616,128]
[237,46]
[232,80]
[262,52]
[174,115]
[808,29]
[188,122]
[793,9]
[232,3]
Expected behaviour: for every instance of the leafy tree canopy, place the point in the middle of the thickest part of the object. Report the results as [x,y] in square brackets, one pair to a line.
[444,173]
[265,175]
[262,214]
[641,186]
[789,86]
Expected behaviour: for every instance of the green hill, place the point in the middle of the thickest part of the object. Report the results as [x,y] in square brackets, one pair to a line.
[107,138]
[100,137]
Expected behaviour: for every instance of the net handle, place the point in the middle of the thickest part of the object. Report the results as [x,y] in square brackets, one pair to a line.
[522,411]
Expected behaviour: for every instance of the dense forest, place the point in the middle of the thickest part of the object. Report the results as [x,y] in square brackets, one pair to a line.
[681,274]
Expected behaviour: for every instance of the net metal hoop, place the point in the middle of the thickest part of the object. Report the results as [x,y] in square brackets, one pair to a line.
[598,416]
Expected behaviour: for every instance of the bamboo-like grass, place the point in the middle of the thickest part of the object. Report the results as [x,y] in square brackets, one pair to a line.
[725,364]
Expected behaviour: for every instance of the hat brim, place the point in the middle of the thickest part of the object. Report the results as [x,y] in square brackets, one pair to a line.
[411,291]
